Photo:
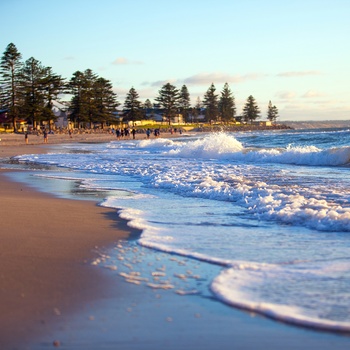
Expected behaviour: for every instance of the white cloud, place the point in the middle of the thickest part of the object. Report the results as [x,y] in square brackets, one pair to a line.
[124,61]
[286,95]
[294,74]
[220,77]
[159,83]
[313,94]
[207,79]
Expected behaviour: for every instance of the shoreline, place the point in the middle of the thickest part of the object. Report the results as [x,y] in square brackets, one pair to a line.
[52,293]
[47,246]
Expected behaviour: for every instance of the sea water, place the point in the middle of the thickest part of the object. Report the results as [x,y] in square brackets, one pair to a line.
[262,217]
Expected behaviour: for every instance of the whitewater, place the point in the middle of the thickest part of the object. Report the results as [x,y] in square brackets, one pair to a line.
[265,214]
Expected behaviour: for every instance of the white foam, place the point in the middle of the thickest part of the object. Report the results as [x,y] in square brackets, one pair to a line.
[225,146]
[213,146]
[240,286]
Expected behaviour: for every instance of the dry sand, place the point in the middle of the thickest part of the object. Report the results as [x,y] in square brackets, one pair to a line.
[50,291]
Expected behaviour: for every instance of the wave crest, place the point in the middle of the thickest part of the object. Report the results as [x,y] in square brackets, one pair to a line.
[225,146]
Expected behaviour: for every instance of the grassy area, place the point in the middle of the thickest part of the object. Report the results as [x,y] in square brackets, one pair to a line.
[166,126]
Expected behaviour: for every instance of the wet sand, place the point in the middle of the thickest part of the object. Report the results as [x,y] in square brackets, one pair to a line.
[47,246]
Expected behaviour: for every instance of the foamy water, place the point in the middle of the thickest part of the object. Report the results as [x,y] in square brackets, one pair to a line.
[270,209]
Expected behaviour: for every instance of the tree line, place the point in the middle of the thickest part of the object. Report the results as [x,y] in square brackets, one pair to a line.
[29,89]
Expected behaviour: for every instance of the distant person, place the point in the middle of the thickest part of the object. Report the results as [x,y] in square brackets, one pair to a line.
[70,133]
[45,136]
[148,133]
[133,131]
[26,137]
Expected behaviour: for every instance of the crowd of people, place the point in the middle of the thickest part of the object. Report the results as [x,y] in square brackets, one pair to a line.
[119,133]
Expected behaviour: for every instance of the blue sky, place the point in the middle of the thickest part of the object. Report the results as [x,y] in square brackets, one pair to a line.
[294,53]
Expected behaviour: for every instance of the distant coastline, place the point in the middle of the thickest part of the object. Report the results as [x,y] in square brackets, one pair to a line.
[318,124]
[244,127]
[309,124]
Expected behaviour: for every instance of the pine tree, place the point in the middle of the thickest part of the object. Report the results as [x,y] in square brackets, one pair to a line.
[272,113]
[83,107]
[132,105]
[211,104]
[89,105]
[168,99]
[105,100]
[53,85]
[33,76]
[148,104]
[184,102]
[11,66]
[227,107]
[250,110]
[75,87]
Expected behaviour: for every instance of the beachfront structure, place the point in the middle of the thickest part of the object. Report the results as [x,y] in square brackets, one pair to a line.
[62,118]
[6,122]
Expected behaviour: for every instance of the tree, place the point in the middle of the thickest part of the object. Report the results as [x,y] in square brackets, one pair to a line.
[75,87]
[227,107]
[132,105]
[148,104]
[53,85]
[33,76]
[211,104]
[184,102]
[272,113]
[168,99]
[93,99]
[250,110]
[82,107]
[89,105]
[105,100]
[11,66]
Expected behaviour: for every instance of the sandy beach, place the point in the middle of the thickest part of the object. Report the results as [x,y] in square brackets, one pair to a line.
[52,296]
[47,245]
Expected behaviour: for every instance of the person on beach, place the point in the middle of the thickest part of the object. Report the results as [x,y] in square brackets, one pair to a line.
[45,136]
[133,133]
[70,133]
[26,137]
[148,133]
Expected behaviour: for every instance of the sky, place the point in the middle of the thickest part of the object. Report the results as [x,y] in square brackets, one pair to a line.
[294,53]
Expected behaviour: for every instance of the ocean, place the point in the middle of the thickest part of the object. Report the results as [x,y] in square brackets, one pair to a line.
[259,221]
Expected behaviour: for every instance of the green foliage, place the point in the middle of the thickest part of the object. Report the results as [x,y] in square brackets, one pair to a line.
[40,87]
[211,104]
[168,99]
[148,104]
[184,102]
[28,90]
[251,110]
[11,81]
[93,99]
[105,100]
[272,113]
[227,107]
[132,105]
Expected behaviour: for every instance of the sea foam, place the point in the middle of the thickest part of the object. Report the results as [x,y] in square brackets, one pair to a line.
[225,146]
